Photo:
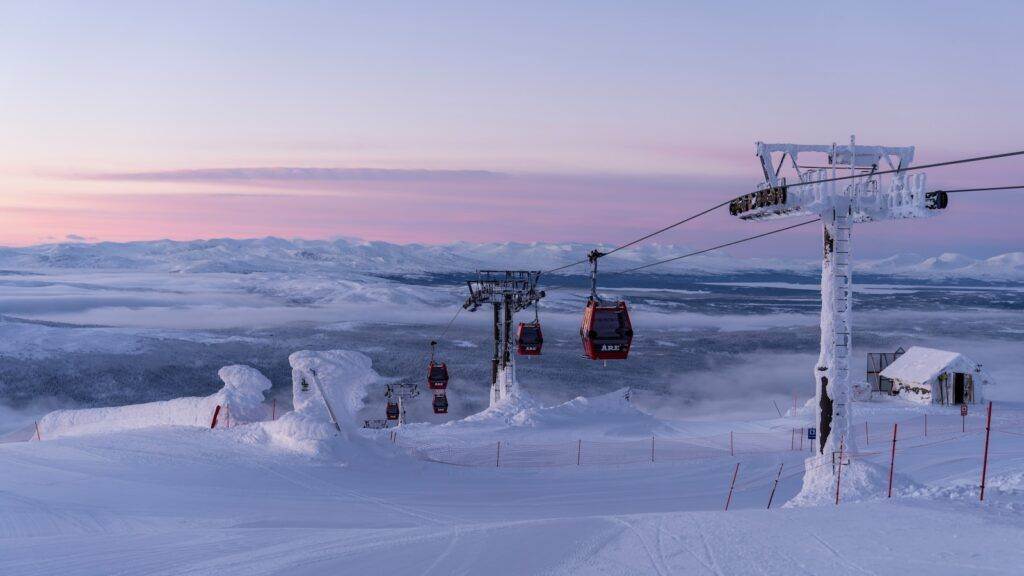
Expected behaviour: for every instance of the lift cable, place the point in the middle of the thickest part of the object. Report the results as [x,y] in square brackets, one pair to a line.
[642,238]
[733,243]
[1021,187]
[908,168]
[795,184]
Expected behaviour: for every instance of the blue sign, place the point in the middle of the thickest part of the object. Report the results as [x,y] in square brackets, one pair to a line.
[812,433]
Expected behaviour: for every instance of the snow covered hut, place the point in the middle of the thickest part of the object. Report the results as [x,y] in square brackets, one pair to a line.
[931,376]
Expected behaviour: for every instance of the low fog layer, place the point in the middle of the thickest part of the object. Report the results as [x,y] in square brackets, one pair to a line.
[704,345]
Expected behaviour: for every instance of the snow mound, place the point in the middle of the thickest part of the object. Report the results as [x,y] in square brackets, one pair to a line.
[861,480]
[343,377]
[242,396]
[335,378]
[610,407]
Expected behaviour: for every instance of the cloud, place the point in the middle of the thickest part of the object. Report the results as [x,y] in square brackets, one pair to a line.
[298,174]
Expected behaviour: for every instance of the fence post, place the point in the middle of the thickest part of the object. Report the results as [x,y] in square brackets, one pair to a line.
[731,451]
[579,450]
[775,485]
[39,436]
[652,448]
[892,456]
[839,474]
[984,466]
[497,459]
[216,413]
[732,484]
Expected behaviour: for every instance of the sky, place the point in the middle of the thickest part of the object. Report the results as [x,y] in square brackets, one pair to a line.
[519,121]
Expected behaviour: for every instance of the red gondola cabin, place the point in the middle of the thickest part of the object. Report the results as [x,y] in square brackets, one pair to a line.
[606,331]
[529,339]
[437,376]
[440,404]
[392,411]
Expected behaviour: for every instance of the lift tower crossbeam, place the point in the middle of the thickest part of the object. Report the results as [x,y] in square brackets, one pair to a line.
[508,291]
[857,196]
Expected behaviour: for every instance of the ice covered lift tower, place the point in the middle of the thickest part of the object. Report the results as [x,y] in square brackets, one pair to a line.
[508,291]
[843,189]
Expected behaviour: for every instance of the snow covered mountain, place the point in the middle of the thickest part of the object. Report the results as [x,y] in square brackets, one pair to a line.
[280,255]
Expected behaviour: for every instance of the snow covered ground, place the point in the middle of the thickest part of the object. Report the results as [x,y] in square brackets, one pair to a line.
[122,345]
[190,500]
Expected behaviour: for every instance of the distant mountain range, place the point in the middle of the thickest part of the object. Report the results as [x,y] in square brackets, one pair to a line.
[332,256]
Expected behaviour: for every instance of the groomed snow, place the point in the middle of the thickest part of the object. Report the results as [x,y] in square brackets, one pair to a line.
[294,496]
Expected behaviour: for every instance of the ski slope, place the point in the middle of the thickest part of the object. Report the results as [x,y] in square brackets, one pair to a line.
[293,496]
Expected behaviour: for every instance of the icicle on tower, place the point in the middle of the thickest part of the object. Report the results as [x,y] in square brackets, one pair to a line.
[844,188]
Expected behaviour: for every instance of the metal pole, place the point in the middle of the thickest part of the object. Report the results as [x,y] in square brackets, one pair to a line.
[731,451]
[505,354]
[892,457]
[579,450]
[867,439]
[839,475]
[652,448]
[925,424]
[497,459]
[984,466]
[327,403]
[273,409]
[497,343]
[732,484]
[774,486]
[39,436]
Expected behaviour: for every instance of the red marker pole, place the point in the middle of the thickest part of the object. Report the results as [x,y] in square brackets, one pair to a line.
[216,413]
[984,466]
[273,409]
[732,485]
[892,457]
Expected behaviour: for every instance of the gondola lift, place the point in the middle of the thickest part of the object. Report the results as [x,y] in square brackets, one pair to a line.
[392,410]
[529,338]
[606,330]
[437,372]
[440,403]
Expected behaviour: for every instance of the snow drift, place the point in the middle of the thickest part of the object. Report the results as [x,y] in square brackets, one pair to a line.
[242,396]
[338,379]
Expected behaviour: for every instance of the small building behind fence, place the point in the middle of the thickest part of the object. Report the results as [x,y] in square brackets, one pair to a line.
[930,376]
[878,361]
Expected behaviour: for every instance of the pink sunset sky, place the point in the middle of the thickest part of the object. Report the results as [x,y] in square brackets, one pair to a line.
[487,122]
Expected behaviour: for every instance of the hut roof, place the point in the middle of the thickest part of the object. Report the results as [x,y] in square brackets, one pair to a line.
[920,364]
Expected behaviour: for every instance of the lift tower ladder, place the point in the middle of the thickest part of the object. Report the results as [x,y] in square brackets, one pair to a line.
[857,197]
[508,292]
